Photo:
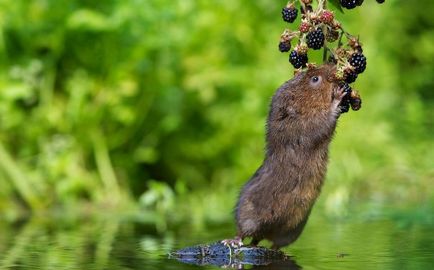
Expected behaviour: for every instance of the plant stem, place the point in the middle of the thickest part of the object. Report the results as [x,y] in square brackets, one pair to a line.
[19,180]
[105,168]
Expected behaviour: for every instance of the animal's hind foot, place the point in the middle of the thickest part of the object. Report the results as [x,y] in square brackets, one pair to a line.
[237,242]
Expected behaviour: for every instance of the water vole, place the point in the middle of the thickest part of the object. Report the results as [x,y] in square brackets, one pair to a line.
[276,202]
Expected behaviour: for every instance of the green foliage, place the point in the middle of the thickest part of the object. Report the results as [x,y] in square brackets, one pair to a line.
[98,98]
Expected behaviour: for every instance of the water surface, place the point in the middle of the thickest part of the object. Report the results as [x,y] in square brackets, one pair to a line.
[116,243]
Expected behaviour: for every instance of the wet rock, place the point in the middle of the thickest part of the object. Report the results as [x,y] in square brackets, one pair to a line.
[219,254]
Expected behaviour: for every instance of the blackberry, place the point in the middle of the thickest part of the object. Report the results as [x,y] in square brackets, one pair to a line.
[344,106]
[347,89]
[332,35]
[358,61]
[355,101]
[327,17]
[380,1]
[315,39]
[289,14]
[350,76]
[356,104]
[284,46]
[304,27]
[349,4]
[298,60]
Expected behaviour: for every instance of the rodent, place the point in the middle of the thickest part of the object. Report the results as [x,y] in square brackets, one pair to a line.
[276,202]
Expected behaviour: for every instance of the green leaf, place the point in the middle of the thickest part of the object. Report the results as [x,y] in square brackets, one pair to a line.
[337,5]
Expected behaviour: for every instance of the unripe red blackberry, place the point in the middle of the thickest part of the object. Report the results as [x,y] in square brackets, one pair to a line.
[349,4]
[304,27]
[327,17]
[358,61]
[297,59]
[289,13]
[315,39]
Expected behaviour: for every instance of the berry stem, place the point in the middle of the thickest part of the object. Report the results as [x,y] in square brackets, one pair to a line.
[322,4]
[340,38]
[324,55]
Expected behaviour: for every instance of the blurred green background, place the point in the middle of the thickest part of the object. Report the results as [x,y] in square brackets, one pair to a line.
[158,108]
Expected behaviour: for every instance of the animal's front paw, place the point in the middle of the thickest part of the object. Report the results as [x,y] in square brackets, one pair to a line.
[337,97]
[338,94]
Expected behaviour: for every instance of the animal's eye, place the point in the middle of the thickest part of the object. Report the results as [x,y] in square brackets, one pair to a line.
[315,80]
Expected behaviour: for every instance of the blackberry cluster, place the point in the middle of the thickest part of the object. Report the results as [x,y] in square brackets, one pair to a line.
[351,99]
[358,61]
[318,29]
[315,39]
[289,14]
[297,59]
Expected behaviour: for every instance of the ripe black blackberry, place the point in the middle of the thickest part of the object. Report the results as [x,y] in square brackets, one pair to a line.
[289,13]
[356,104]
[344,106]
[349,4]
[315,39]
[347,89]
[350,76]
[284,46]
[298,60]
[358,61]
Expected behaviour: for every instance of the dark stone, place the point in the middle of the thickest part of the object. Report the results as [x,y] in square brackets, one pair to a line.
[219,254]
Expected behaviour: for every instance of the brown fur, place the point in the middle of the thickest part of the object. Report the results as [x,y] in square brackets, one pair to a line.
[276,202]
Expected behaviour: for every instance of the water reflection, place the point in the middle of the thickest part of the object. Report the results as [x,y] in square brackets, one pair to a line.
[118,243]
[221,255]
[227,262]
